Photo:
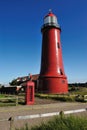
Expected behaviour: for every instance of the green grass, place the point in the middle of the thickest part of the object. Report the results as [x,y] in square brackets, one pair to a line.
[81,91]
[7,104]
[72,96]
[2,96]
[10,100]
[61,123]
[58,97]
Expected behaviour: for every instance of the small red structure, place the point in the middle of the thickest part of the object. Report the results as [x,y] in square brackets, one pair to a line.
[52,77]
[29,95]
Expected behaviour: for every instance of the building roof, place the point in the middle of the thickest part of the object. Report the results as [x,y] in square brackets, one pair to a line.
[26,78]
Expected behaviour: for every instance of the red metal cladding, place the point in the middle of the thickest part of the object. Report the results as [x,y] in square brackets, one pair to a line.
[52,78]
[50,14]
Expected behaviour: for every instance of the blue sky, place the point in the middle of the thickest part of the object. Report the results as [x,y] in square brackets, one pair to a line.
[21,39]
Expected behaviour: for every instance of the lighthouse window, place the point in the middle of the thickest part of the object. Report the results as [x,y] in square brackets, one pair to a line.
[54,20]
[63,81]
[61,72]
[47,20]
[58,45]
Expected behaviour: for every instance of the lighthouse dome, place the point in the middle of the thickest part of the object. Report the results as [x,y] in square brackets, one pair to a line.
[51,20]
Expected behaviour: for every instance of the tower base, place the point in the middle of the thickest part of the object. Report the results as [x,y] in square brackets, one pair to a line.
[53,85]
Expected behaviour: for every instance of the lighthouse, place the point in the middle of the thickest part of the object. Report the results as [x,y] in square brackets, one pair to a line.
[52,78]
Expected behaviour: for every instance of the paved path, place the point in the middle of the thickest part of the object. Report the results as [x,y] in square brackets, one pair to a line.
[6,112]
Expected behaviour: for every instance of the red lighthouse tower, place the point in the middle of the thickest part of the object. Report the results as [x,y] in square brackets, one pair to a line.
[52,78]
